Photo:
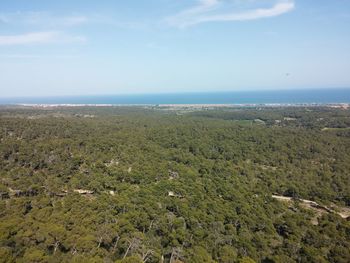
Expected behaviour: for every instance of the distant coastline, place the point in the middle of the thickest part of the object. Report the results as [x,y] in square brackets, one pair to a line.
[333,96]
[330,105]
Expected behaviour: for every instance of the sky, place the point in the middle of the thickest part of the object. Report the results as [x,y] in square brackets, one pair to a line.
[88,47]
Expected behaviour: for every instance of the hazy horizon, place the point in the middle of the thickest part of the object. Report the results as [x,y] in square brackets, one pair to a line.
[213,91]
[291,96]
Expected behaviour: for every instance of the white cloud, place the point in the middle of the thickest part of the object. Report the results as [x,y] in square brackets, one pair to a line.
[18,56]
[42,19]
[38,56]
[39,38]
[216,10]
[74,20]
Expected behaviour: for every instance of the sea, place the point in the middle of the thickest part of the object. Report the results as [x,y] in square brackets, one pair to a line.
[296,96]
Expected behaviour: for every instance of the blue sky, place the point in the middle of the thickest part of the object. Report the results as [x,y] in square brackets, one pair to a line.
[147,46]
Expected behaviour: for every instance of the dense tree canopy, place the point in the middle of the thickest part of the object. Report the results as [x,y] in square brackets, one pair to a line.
[154,184]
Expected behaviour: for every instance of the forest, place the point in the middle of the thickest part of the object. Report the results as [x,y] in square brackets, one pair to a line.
[172,185]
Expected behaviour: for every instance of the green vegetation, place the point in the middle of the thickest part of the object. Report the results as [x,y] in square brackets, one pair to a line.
[132,184]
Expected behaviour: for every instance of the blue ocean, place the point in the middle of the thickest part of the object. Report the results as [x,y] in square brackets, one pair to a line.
[307,96]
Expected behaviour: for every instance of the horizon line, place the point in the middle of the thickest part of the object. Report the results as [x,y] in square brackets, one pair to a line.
[176,92]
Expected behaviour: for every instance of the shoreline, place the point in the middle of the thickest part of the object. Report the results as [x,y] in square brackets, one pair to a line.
[191,105]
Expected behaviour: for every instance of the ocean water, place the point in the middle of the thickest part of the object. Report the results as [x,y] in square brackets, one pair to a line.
[307,96]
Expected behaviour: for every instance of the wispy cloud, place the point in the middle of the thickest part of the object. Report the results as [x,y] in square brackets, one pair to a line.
[18,56]
[40,28]
[42,19]
[21,56]
[217,10]
[39,38]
